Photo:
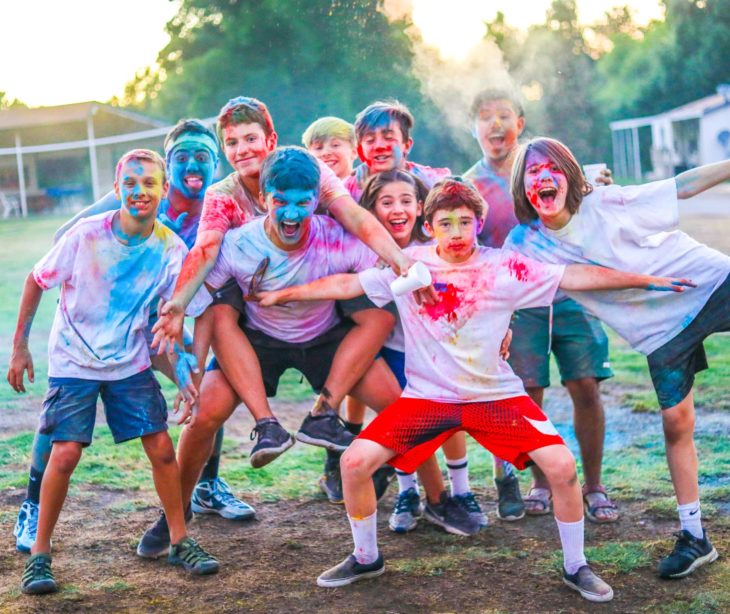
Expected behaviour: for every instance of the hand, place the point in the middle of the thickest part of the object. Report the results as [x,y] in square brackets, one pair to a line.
[174,225]
[426,296]
[504,346]
[669,284]
[20,361]
[604,177]
[266,299]
[189,407]
[169,326]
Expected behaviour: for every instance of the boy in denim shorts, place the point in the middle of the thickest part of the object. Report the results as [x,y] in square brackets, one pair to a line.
[112,269]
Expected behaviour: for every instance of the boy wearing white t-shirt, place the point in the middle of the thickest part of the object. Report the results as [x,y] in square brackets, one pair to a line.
[566,220]
[112,269]
[456,378]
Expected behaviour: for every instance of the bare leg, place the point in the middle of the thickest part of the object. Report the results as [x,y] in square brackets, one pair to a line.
[558,467]
[65,456]
[679,424]
[358,464]
[354,410]
[538,477]
[590,426]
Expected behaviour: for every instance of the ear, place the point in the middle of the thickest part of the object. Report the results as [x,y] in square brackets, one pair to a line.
[262,199]
[419,208]
[482,220]
[407,147]
[165,188]
[272,141]
[520,125]
[428,227]
[117,193]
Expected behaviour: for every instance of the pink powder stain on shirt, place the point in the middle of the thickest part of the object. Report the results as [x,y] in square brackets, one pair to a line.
[450,299]
[518,269]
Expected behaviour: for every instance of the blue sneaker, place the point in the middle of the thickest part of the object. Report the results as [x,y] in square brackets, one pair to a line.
[471,506]
[215,497]
[406,512]
[26,526]
[156,540]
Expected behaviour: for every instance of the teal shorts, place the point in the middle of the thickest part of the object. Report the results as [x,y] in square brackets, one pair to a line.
[577,340]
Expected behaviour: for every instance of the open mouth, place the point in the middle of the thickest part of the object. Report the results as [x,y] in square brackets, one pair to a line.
[547,194]
[398,225]
[193,182]
[290,229]
[496,140]
[382,158]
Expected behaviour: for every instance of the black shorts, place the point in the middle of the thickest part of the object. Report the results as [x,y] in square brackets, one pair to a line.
[673,365]
[312,358]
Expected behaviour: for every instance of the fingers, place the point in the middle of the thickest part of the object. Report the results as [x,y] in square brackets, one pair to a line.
[669,284]
[31,372]
[684,282]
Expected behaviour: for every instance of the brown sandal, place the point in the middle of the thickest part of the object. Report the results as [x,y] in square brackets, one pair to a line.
[604,503]
[540,496]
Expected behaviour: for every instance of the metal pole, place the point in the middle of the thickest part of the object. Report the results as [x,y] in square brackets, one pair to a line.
[92,155]
[21,176]
[637,153]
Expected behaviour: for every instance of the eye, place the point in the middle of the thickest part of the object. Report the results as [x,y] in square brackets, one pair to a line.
[230,142]
[202,156]
[181,157]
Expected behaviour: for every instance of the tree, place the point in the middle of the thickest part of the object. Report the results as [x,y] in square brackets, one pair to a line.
[9,103]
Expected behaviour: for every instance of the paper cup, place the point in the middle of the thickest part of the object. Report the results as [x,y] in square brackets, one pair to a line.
[418,277]
[592,171]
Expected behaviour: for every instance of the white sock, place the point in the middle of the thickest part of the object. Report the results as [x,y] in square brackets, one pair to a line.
[406,481]
[690,517]
[571,538]
[458,475]
[365,536]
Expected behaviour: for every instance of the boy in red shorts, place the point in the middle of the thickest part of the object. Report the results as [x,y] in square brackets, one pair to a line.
[456,379]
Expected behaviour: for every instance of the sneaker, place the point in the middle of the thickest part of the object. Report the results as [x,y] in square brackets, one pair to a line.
[192,557]
[215,497]
[588,584]
[350,571]
[470,504]
[26,526]
[689,553]
[330,483]
[450,516]
[156,540]
[326,430]
[509,505]
[38,577]
[273,440]
[408,509]
[382,478]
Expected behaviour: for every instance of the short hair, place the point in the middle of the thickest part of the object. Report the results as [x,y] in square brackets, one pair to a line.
[327,128]
[451,193]
[374,184]
[382,113]
[564,159]
[142,155]
[194,126]
[244,110]
[492,94]
[288,168]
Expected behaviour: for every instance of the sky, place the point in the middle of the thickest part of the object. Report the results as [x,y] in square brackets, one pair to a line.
[89,56]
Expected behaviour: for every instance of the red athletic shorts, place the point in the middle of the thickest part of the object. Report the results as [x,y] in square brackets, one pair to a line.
[416,428]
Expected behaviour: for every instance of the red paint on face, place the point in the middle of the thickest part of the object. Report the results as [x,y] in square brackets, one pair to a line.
[450,298]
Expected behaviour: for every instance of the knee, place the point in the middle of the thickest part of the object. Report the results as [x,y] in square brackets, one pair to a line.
[205,425]
[354,466]
[562,470]
[159,449]
[678,424]
[375,320]
[66,455]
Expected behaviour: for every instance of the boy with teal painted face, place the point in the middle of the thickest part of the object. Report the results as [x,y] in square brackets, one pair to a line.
[126,260]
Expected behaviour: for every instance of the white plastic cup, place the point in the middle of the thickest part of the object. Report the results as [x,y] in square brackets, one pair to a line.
[593,171]
[418,277]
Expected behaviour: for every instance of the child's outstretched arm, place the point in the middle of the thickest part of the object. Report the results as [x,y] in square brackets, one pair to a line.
[696,180]
[21,360]
[334,287]
[590,277]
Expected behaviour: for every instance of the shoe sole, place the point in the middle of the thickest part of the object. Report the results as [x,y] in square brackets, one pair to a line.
[264,457]
[511,517]
[345,581]
[223,514]
[710,557]
[42,587]
[22,548]
[320,443]
[403,530]
[595,597]
[200,571]
[447,527]
[152,554]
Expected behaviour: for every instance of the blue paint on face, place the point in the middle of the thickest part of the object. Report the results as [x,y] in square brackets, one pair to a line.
[292,210]
[191,169]
[141,187]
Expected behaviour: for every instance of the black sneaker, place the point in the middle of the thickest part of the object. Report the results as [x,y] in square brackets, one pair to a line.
[588,584]
[326,430]
[156,540]
[509,505]
[330,483]
[273,439]
[382,478]
[469,502]
[38,578]
[689,553]
[451,517]
[350,571]
[192,557]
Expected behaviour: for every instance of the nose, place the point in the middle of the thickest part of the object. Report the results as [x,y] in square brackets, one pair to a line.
[545,174]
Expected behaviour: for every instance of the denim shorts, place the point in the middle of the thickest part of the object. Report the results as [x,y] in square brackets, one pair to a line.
[576,338]
[673,365]
[134,407]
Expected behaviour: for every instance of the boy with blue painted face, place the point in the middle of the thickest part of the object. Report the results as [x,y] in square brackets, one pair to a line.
[126,260]
[298,246]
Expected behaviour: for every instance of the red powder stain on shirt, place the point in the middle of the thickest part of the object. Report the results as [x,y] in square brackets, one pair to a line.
[220,212]
[518,269]
[45,279]
[449,302]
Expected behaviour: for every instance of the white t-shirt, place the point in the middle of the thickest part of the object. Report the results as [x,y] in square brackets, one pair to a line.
[452,348]
[632,228]
[107,292]
[328,250]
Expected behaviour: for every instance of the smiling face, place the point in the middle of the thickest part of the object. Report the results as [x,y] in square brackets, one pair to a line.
[397,208]
[497,128]
[455,232]
[290,216]
[140,186]
[383,148]
[191,168]
[245,147]
[546,188]
[337,153]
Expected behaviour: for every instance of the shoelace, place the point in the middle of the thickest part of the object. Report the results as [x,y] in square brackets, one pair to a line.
[259,430]
[684,543]
[402,504]
[470,503]
[194,553]
[225,494]
[39,570]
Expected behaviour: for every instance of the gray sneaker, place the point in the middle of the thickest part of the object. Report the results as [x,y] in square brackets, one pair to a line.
[156,540]
[272,440]
[350,571]
[326,430]
[451,517]
[470,504]
[588,584]
[509,505]
[406,512]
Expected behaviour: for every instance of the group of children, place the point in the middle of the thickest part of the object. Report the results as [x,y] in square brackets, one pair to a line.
[297,252]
